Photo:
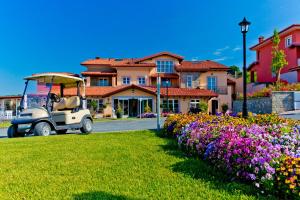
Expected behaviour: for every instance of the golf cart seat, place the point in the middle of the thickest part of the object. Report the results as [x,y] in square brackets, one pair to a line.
[67,103]
[65,110]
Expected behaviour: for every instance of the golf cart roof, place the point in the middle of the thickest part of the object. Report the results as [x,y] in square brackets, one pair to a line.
[68,80]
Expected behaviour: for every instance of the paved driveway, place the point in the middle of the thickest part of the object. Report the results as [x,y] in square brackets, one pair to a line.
[116,125]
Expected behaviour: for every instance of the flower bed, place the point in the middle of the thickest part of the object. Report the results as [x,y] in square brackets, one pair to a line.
[262,149]
[147,115]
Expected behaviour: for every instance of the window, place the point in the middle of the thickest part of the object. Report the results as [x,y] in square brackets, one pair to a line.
[173,106]
[100,106]
[126,80]
[142,81]
[212,83]
[165,66]
[189,81]
[288,41]
[96,105]
[194,103]
[103,82]
[165,83]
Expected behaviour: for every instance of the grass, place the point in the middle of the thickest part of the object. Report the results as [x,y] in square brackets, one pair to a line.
[4,124]
[129,165]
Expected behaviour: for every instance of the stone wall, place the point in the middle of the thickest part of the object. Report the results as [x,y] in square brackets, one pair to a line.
[279,102]
[261,105]
[282,101]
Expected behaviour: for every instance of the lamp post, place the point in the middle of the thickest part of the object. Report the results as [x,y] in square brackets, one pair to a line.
[158,101]
[167,83]
[244,29]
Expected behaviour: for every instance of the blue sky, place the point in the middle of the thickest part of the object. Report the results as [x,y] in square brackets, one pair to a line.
[40,36]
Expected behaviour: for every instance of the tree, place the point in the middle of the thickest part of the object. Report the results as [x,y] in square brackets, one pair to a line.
[235,70]
[278,56]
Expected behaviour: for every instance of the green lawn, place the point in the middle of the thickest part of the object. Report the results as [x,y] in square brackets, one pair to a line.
[129,165]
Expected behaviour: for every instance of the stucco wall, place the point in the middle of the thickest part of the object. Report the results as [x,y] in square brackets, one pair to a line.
[133,73]
[282,101]
[278,102]
[257,105]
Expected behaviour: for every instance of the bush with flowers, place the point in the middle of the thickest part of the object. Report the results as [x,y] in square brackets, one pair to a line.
[250,149]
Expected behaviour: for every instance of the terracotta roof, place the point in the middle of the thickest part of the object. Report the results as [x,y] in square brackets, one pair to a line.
[11,97]
[165,75]
[230,82]
[128,62]
[293,26]
[108,91]
[160,54]
[90,73]
[197,66]
[185,92]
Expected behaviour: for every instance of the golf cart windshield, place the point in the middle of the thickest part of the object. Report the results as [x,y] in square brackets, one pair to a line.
[36,94]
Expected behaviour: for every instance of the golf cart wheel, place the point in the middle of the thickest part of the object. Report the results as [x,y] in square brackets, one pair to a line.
[87,126]
[11,132]
[42,129]
[60,132]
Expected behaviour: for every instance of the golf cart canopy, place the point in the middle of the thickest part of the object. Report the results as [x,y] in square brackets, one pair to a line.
[57,79]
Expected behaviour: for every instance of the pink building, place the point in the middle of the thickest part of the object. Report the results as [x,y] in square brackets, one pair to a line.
[261,71]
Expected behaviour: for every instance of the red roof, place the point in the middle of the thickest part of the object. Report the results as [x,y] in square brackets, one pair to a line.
[108,91]
[197,66]
[63,73]
[184,92]
[160,54]
[290,28]
[91,73]
[128,62]
[11,97]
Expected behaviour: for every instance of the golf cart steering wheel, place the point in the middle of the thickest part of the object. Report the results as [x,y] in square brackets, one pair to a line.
[55,98]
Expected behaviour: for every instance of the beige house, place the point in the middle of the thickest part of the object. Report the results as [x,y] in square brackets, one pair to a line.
[131,83]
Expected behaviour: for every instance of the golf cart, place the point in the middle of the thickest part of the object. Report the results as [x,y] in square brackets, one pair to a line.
[44,108]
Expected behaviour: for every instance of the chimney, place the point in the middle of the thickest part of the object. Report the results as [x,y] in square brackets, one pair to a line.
[261,39]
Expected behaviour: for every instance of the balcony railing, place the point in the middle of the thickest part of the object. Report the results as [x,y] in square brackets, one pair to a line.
[218,89]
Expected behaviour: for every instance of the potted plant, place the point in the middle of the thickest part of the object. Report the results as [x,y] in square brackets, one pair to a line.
[119,111]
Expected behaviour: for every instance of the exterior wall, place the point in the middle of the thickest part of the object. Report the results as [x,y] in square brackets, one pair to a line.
[282,101]
[196,79]
[133,73]
[222,83]
[279,102]
[263,69]
[290,77]
[221,78]
[257,105]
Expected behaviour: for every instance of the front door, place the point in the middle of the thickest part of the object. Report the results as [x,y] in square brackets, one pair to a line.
[133,107]
[214,107]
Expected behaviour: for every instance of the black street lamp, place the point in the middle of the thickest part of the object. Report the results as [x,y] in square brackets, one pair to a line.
[167,83]
[244,29]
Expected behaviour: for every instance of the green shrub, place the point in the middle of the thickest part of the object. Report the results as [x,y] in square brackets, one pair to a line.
[224,108]
[202,106]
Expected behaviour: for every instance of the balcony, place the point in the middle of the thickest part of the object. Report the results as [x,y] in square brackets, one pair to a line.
[223,90]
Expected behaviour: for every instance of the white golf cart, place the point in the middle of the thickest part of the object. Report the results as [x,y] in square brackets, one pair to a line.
[44,108]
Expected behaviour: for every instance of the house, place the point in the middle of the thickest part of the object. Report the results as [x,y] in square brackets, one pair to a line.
[9,106]
[131,83]
[260,70]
